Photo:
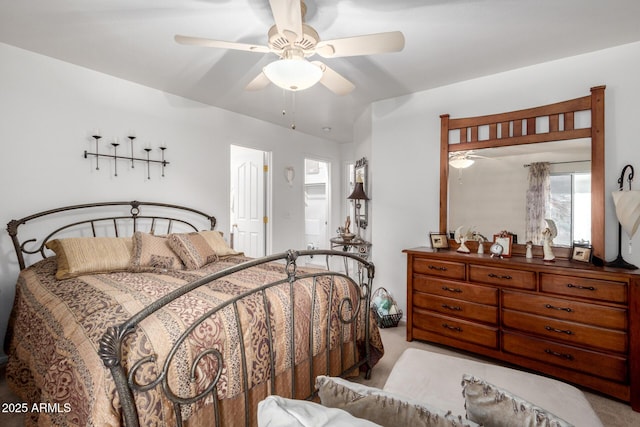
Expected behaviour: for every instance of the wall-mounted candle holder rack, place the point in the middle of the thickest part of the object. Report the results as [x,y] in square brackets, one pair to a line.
[115,144]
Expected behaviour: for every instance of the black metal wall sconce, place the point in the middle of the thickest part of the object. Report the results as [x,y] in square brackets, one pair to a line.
[115,144]
[627,204]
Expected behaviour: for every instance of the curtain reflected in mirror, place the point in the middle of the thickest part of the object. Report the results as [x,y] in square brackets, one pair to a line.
[538,201]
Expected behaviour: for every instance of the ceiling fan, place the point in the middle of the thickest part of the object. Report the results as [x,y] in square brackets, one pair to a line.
[463,159]
[293,42]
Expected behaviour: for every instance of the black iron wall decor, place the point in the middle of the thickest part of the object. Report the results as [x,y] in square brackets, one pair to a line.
[96,137]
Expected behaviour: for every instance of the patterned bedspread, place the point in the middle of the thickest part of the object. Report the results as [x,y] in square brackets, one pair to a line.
[56,326]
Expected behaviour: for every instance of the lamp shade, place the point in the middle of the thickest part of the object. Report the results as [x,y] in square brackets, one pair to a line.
[293,73]
[358,193]
[627,205]
[460,162]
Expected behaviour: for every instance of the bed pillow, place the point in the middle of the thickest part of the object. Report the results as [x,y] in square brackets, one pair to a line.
[276,411]
[77,256]
[381,407]
[193,249]
[153,252]
[492,406]
[218,244]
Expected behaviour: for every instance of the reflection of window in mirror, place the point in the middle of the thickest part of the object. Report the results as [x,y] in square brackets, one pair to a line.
[571,205]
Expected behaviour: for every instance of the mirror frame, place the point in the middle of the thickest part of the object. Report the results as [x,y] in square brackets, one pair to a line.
[361,168]
[506,129]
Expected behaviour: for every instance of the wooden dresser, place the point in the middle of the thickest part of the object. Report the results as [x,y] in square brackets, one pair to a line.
[566,319]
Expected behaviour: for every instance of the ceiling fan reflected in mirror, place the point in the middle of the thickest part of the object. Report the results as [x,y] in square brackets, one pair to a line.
[293,41]
[463,159]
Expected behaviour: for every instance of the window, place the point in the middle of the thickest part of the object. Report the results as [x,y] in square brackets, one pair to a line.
[571,207]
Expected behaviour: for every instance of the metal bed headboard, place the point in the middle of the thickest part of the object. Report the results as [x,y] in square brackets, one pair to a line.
[115,222]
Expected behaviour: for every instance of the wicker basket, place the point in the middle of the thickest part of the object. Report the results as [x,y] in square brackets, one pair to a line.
[389,320]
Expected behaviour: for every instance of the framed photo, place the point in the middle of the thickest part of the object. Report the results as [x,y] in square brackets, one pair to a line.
[439,240]
[506,241]
[581,253]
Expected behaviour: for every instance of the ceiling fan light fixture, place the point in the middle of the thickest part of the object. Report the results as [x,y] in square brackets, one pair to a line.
[293,72]
[460,162]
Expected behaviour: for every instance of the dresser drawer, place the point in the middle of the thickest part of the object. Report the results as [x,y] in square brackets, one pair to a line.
[570,332]
[592,362]
[591,314]
[458,290]
[456,307]
[603,290]
[503,277]
[456,328]
[433,267]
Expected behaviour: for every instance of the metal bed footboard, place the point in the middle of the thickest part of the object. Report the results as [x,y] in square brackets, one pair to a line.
[348,312]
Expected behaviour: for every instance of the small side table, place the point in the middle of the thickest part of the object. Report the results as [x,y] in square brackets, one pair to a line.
[359,246]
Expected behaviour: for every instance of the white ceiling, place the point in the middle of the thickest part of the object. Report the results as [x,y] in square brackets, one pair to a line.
[446,41]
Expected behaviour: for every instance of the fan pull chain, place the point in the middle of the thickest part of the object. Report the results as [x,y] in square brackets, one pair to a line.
[292,125]
[293,110]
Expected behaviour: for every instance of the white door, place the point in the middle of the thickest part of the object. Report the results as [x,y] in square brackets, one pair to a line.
[248,217]
[316,212]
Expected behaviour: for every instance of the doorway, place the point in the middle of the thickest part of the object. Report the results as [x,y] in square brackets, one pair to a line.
[249,200]
[317,193]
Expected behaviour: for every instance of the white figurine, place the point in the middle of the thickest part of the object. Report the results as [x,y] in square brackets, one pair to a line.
[480,239]
[461,238]
[529,253]
[548,234]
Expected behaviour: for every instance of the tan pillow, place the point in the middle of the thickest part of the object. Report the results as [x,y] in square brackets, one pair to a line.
[217,243]
[490,405]
[153,252]
[88,255]
[381,407]
[193,249]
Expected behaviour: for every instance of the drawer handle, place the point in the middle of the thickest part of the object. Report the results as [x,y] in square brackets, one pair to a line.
[453,328]
[567,309]
[446,288]
[560,355]
[435,267]
[452,307]
[560,331]
[497,276]
[586,288]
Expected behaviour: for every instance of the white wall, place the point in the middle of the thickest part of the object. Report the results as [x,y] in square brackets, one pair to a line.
[48,109]
[406,138]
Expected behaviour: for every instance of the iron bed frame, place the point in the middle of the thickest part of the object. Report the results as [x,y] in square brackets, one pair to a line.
[112,342]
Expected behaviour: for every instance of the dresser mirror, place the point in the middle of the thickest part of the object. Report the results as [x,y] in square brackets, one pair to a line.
[490,195]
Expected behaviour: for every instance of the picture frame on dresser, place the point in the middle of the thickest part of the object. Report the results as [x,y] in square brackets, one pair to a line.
[581,252]
[506,241]
[439,240]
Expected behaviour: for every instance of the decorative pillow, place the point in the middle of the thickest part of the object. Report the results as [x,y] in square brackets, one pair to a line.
[88,255]
[153,252]
[193,249]
[383,408]
[276,411]
[489,405]
[217,243]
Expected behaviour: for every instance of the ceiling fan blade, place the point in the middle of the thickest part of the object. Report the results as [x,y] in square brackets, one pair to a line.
[334,81]
[198,41]
[260,82]
[362,45]
[288,17]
